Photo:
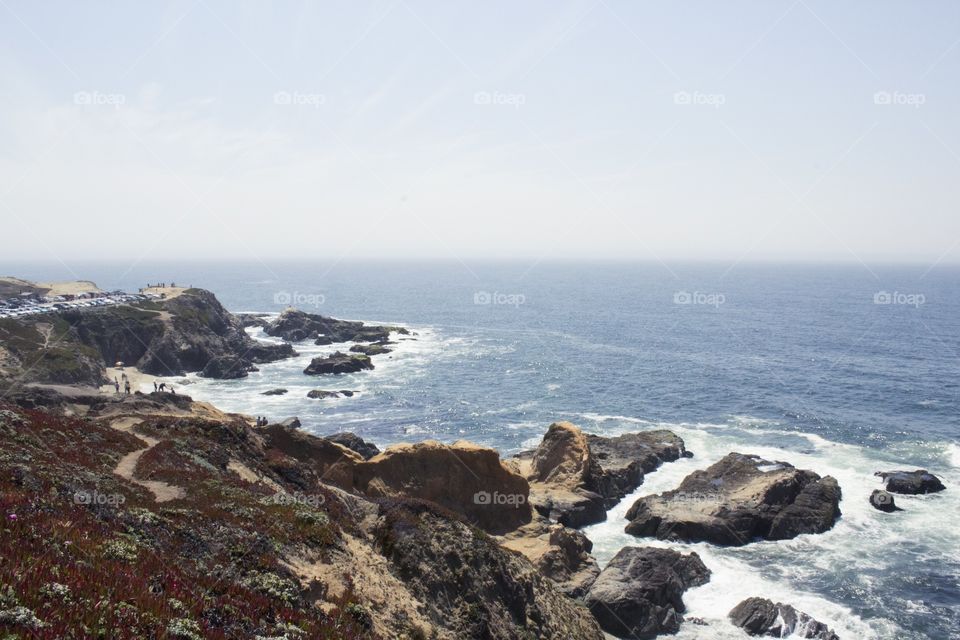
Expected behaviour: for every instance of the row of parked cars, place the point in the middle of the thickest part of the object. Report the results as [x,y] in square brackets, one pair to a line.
[25,306]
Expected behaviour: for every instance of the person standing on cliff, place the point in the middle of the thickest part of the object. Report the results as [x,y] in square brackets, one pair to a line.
[116,385]
[126,387]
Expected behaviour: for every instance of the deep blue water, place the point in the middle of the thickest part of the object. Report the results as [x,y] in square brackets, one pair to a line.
[794,361]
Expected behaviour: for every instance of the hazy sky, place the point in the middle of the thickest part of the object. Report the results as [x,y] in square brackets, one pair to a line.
[647,130]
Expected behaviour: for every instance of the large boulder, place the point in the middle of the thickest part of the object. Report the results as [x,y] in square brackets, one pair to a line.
[639,595]
[911,482]
[462,477]
[338,363]
[762,617]
[738,499]
[226,367]
[883,501]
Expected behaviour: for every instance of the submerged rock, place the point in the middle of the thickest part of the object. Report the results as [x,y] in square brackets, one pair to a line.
[640,593]
[338,363]
[372,349]
[321,394]
[274,392]
[911,482]
[738,499]
[762,617]
[883,501]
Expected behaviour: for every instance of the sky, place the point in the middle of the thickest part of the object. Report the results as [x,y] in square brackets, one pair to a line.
[737,131]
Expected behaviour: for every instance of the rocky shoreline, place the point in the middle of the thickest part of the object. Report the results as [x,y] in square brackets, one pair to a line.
[214,525]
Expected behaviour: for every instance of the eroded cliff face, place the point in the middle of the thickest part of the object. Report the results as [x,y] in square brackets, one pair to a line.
[191,332]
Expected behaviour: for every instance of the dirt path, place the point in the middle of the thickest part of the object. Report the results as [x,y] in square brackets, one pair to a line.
[162,491]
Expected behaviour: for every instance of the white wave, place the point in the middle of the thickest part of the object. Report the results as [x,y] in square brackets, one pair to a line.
[863,542]
[951,452]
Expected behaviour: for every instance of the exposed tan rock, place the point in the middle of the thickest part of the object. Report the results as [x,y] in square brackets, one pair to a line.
[575,477]
[463,477]
[331,462]
[560,553]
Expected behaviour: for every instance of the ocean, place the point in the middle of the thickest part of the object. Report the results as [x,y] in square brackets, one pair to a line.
[842,369]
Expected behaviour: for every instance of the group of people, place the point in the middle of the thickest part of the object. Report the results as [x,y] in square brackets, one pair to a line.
[126,384]
[127,389]
[262,421]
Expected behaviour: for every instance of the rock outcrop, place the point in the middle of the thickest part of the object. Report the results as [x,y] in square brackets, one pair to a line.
[623,460]
[355,443]
[883,501]
[294,326]
[639,595]
[469,584]
[462,477]
[911,482]
[338,363]
[372,349]
[227,367]
[191,332]
[739,499]
[274,392]
[329,461]
[575,477]
[558,552]
[197,329]
[762,617]
[559,472]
